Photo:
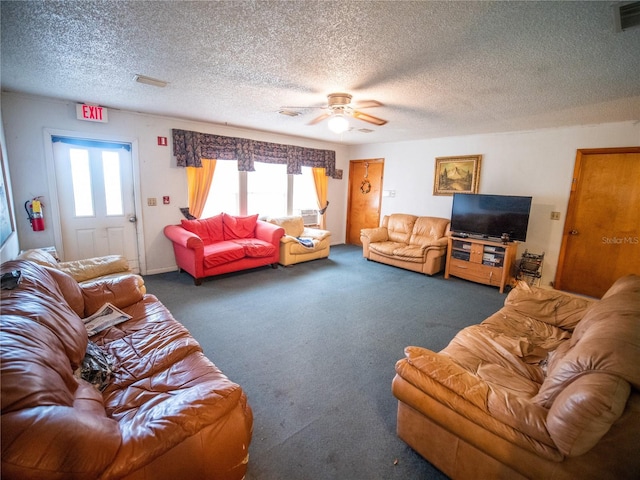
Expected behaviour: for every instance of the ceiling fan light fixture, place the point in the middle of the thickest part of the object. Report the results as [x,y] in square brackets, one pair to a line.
[338,123]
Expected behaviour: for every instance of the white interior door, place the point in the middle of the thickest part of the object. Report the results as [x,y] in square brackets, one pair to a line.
[94,182]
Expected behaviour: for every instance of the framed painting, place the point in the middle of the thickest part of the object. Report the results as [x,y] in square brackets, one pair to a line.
[457,175]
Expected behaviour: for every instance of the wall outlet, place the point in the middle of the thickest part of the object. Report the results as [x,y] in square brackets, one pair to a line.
[555,215]
[152,201]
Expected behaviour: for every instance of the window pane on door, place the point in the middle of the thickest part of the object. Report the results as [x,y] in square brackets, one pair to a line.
[267,190]
[112,185]
[81,179]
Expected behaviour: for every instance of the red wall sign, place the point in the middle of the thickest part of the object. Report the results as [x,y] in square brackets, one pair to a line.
[91,113]
[162,141]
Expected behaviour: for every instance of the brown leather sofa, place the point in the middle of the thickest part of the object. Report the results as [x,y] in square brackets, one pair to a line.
[546,388]
[166,413]
[409,242]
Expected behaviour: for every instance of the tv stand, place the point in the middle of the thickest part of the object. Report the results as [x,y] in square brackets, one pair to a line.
[480,260]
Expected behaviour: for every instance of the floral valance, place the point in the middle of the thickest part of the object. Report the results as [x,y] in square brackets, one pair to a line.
[191,147]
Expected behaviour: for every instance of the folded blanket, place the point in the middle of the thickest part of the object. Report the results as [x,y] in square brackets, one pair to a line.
[305,242]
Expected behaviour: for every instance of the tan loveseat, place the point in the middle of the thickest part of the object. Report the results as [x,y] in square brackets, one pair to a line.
[300,243]
[546,388]
[165,412]
[408,241]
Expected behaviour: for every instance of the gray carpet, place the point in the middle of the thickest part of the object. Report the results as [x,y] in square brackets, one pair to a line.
[314,347]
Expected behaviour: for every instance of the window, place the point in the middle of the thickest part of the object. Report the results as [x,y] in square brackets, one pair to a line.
[81,179]
[113,186]
[224,195]
[267,191]
[305,198]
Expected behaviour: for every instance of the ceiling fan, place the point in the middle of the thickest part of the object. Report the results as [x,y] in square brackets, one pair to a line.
[339,107]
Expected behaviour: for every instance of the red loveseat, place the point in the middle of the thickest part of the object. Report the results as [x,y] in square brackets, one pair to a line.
[223,244]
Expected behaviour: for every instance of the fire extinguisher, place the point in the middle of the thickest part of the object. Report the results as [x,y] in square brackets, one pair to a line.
[34,211]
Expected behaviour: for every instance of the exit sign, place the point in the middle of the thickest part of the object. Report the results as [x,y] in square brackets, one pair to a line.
[91,113]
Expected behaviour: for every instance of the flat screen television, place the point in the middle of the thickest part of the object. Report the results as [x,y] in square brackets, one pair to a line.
[490,216]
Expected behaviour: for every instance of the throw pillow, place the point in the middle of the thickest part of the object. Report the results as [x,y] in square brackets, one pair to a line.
[210,229]
[195,226]
[214,228]
[239,227]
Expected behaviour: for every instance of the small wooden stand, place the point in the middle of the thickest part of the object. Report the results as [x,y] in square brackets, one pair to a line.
[481,261]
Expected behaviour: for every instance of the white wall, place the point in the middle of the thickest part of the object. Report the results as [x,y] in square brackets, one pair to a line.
[535,163]
[26,118]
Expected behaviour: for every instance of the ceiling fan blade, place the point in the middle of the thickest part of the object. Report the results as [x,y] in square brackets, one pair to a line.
[319,119]
[368,104]
[368,118]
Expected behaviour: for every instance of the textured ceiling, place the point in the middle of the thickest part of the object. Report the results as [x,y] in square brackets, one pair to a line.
[439,68]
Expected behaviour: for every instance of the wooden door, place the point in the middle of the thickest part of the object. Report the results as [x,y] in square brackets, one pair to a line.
[601,240]
[365,197]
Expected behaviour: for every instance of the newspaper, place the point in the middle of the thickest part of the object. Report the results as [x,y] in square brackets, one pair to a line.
[106,316]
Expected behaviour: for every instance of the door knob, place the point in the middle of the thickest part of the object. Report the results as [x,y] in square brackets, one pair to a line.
[573,232]
[133,219]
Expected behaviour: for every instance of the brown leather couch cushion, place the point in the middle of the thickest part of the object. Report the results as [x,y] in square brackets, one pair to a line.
[400,227]
[550,306]
[427,230]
